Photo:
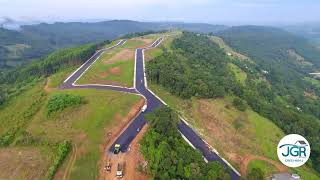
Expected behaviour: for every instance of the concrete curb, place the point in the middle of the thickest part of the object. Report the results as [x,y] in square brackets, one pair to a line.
[73,83]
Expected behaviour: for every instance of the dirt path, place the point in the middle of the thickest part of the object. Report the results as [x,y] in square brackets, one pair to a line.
[112,134]
[71,162]
[47,88]
[246,160]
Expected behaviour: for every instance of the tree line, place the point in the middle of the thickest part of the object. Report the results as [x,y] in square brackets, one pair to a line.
[169,156]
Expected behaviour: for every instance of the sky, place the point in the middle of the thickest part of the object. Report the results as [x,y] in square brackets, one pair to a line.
[207,11]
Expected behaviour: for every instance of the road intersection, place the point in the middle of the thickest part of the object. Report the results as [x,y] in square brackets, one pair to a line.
[152,101]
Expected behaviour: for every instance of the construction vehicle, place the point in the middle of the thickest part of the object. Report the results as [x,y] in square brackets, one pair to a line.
[119,173]
[108,166]
[117,148]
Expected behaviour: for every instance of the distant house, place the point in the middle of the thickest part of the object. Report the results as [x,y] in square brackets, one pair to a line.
[285,176]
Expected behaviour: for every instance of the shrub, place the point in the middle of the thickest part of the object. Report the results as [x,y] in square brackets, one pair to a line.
[62,151]
[239,104]
[59,102]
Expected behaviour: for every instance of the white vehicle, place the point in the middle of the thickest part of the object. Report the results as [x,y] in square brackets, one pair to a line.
[144,108]
[295,176]
[119,173]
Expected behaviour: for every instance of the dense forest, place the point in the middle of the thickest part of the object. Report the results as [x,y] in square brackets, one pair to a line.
[169,156]
[35,41]
[198,68]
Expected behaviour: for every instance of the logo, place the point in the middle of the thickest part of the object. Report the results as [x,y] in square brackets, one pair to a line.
[293,150]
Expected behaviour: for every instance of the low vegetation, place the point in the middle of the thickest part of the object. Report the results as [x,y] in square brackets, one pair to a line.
[24,120]
[169,156]
[62,152]
[58,102]
[116,67]
[256,174]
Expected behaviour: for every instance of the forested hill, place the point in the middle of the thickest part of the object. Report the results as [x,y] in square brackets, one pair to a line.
[197,67]
[285,60]
[272,46]
[34,41]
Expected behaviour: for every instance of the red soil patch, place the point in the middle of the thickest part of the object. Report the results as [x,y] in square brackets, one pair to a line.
[123,55]
[104,74]
[115,70]
[147,41]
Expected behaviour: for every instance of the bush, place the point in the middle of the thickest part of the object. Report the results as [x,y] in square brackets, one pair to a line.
[239,104]
[58,102]
[62,151]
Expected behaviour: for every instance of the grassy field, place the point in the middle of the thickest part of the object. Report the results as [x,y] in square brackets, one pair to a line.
[315,82]
[241,76]
[112,43]
[233,133]
[169,37]
[227,48]
[264,166]
[57,79]
[84,125]
[134,43]
[116,67]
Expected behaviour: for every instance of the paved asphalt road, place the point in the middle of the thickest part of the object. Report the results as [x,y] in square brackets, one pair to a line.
[71,80]
[153,102]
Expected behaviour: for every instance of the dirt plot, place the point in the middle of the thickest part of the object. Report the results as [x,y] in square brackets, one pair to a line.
[146,40]
[115,70]
[22,163]
[110,136]
[123,55]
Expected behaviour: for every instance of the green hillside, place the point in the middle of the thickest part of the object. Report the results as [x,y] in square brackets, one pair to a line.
[198,70]
[46,125]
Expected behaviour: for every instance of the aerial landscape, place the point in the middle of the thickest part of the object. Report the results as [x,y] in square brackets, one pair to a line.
[200,92]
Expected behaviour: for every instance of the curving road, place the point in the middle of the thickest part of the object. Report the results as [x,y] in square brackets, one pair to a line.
[140,87]
[70,82]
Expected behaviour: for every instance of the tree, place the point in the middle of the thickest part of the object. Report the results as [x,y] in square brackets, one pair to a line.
[239,104]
